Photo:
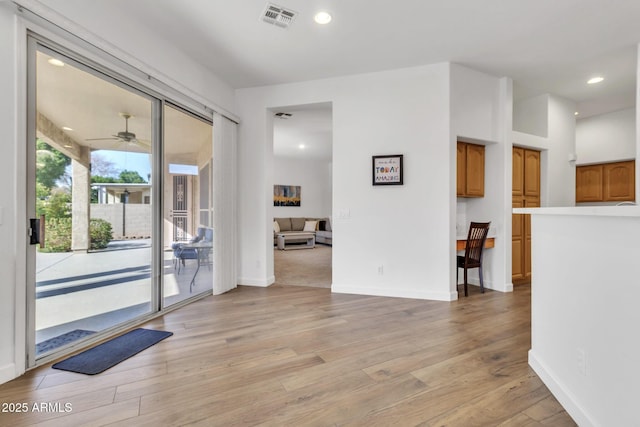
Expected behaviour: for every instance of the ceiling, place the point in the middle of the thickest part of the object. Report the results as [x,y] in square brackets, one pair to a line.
[306,134]
[545,46]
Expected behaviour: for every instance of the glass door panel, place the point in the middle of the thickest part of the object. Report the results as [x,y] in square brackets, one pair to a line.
[187,210]
[92,188]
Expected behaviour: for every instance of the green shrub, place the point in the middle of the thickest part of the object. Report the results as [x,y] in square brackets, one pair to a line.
[58,205]
[57,235]
[101,233]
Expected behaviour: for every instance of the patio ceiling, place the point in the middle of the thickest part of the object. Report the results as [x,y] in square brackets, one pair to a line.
[89,111]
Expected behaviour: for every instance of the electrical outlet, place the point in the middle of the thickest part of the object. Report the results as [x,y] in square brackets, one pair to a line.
[381,270]
[581,361]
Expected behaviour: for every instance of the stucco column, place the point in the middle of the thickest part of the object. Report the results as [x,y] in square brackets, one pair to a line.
[80,193]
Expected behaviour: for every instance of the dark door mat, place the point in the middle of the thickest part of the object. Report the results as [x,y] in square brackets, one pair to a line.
[108,354]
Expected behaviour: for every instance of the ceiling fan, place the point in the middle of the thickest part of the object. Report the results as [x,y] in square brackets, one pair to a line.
[125,135]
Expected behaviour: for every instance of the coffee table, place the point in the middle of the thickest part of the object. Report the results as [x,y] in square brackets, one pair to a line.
[283,238]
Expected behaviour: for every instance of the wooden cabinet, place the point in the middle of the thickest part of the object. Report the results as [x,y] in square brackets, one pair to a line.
[606,182]
[589,183]
[461,169]
[470,170]
[525,193]
[619,181]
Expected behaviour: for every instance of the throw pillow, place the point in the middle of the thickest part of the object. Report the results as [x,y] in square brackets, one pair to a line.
[310,225]
[276,227]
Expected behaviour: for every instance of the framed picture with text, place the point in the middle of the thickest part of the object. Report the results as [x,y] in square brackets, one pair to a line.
[387,170]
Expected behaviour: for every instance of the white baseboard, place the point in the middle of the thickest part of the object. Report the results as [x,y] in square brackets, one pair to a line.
[564,396]
[506,287]
[7,373]
[396,292]
[245,281]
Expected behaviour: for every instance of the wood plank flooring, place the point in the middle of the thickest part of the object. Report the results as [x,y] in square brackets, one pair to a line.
[302,356]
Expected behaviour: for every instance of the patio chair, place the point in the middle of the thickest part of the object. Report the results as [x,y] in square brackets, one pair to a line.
[180,253]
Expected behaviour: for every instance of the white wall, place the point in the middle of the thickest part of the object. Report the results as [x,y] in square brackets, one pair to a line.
[558,175]
[531,116]
[159,59]
[8,232]
[397,112]
[560,186]
[481,106]
[584,314]
[314,178]
[380,243]
[607,137]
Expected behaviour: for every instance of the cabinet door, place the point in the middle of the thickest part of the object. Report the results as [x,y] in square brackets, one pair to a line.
[526,193]
[475,170]
[532,203]
[517,242]
[589,183]
[518,173]
[461,170]
[619,181]
[532,173]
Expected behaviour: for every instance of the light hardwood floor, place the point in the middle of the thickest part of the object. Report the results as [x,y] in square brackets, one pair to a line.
[302,356]
[304,267]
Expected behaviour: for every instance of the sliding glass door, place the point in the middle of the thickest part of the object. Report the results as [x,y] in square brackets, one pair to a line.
[187,212]
[90,201]
[119,202]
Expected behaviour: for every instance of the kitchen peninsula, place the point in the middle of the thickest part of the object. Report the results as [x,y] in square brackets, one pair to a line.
[584,310]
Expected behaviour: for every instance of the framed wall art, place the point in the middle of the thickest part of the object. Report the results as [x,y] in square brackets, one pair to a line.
[387,170]
[286,195]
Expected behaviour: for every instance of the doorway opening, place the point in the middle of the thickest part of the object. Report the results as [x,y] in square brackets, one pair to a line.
[303,164]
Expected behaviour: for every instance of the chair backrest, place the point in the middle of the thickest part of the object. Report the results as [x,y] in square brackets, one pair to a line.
[208,235]
[475,241]
[200,233]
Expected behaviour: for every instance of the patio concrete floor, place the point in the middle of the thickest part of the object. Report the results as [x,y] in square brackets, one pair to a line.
[94,291]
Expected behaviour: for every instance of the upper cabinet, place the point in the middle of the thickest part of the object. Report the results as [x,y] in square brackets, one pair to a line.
[620,181]
[470,170]
[606,182]
[589,183]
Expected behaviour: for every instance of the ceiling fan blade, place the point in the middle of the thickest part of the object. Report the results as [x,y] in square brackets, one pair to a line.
[102,139]
[142,142]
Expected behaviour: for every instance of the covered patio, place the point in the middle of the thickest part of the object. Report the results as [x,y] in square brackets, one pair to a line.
[72,296]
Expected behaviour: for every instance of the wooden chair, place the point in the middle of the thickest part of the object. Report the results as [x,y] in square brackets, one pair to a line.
[473,252]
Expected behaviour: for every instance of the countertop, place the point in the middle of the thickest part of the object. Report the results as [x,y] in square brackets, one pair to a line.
[622,211]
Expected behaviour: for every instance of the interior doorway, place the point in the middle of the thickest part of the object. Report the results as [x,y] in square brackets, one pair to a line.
[303,160]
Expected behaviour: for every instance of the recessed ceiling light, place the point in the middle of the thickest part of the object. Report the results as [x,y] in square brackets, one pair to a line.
[56,62]
[301,146]
[322,18]
[576,113]
[595,80]
[66,128]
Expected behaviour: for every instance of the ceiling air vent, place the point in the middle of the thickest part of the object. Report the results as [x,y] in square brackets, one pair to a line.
[278,16]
